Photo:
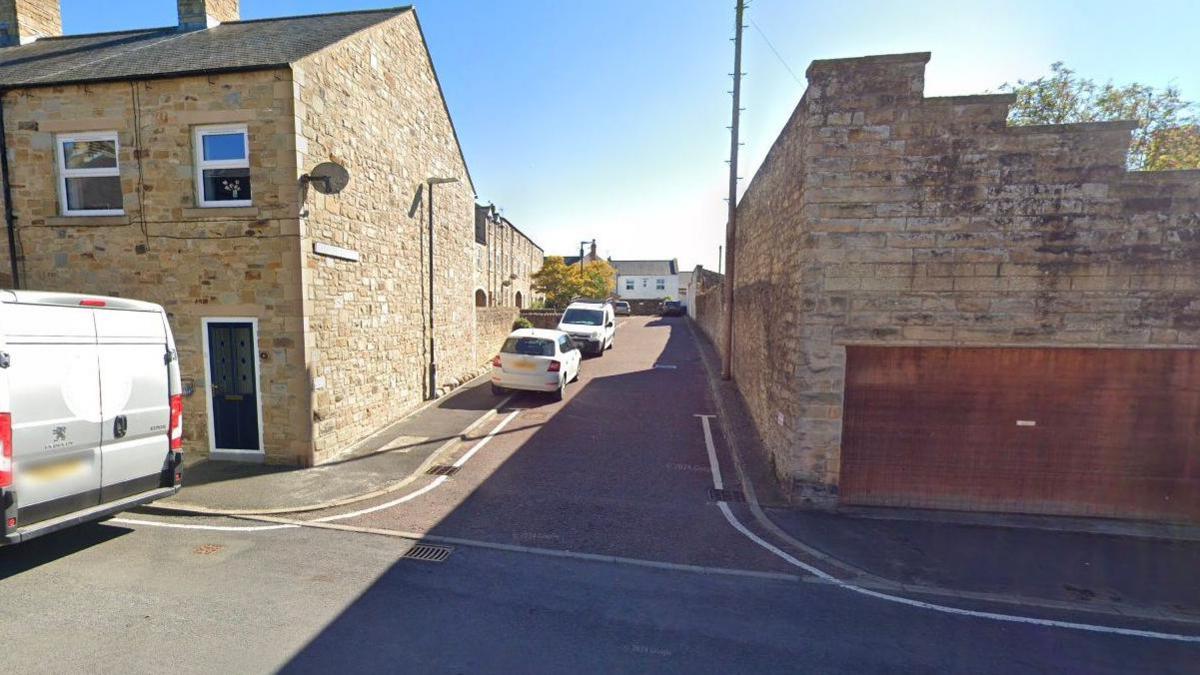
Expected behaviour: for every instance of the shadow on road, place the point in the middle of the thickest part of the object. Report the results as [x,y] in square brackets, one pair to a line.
[21,558]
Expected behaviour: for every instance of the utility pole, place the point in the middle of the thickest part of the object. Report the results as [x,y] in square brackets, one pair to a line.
[720,254]
[731,223]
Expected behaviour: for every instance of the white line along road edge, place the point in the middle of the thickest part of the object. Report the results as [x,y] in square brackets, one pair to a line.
[341,516]
[719,483]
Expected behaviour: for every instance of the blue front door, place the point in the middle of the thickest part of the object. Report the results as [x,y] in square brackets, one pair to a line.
[231,359]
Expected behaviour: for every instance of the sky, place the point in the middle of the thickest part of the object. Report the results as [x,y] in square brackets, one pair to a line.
[608,120]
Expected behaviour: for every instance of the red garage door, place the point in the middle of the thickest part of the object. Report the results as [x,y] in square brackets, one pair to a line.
[1093,432]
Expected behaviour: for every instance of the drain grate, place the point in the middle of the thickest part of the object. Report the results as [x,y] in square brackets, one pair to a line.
[725,495]
[443,470]
[428,553]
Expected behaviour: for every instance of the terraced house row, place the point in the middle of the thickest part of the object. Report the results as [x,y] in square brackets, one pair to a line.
[291,190]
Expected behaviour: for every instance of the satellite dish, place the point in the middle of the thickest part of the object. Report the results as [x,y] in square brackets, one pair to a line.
[329,178]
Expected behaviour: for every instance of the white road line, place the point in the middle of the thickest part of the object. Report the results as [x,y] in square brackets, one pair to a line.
[713,464]
[1011,618]
[340,516]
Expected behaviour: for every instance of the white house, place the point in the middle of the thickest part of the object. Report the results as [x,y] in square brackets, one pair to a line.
[647,279]
[685,288]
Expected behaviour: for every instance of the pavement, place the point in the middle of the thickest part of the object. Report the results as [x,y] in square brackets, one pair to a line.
[579,535]
[388,460]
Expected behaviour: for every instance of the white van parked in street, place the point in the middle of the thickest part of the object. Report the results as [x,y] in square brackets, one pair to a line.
[91,412]
[592,324]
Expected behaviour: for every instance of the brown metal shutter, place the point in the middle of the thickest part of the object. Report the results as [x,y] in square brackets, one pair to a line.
[1092,432]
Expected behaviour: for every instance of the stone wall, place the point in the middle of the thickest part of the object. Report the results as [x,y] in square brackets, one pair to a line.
[542,318]
[373,104]
[195,13]
[881,217]
[710,312]
[492,325]
[28,19]
[505,265]
[223,262]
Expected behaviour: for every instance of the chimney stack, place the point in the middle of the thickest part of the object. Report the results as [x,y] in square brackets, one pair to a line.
[594,250]
[23,21]
[201,14]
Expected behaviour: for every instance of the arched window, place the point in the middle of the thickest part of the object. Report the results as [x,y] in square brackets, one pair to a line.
[517,300]
[480,298]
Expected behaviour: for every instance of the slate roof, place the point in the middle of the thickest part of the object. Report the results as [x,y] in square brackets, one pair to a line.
[168,52]
[645,268]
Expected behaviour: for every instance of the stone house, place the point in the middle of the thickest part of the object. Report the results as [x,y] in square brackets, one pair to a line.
[505,262]
[174,165]
[647,279]
[935,309]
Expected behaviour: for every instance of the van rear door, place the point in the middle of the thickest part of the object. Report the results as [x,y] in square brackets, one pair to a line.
[54,395]
[135,400]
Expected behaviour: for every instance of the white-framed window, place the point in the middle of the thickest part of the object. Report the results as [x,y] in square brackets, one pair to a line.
[89,174]
[660,284]
[629,284]
[222,165]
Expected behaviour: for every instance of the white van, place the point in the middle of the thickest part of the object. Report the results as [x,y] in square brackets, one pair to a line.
[91,412]
[592,325]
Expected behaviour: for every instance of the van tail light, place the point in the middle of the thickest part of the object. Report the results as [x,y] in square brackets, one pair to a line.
[554,367]
[91,302]
[6,454]
[496,361]
[176,427]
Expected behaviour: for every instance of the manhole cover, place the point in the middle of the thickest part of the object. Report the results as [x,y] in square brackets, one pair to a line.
[428,553]
[443,470]
[725,495]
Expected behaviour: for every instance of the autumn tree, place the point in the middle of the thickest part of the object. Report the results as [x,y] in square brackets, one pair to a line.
[557,282]
[1168,131]
[598,279]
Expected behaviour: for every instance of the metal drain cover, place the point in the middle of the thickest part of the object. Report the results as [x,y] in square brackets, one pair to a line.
[443,470]
[428,553]
[725,495]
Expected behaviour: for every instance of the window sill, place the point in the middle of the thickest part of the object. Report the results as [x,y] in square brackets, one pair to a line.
[221,212]
[86,221]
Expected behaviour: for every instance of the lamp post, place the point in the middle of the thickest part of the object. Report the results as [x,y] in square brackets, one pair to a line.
[431,181]
[581,245]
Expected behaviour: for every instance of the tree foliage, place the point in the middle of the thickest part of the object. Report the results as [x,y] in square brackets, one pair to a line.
[1168,131]
[561,283]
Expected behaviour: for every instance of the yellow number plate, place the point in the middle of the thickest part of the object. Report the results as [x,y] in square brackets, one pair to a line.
[56,471]
[523,365]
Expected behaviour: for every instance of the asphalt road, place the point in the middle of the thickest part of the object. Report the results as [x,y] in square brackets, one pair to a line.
[584,539]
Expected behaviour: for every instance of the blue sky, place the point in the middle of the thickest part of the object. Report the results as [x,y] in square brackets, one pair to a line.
[607,119]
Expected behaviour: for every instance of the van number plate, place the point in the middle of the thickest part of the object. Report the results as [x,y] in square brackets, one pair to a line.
[48,473]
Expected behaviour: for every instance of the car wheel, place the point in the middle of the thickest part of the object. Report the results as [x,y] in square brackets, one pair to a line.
[561,391]
[612,341]
[497,391]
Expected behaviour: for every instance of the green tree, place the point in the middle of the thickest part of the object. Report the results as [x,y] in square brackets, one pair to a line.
[1168,131]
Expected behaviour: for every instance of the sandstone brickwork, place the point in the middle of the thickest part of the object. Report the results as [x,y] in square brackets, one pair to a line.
[196,263]
[195,14]
[343,345]
[25,20]
[882,217]
[505,261]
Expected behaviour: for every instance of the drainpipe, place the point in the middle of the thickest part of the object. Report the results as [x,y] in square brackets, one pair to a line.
[9,220]
[432,324]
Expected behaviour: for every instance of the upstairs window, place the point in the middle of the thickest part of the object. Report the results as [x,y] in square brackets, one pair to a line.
[222,166]
[660,284]
[629,284]
[89,176]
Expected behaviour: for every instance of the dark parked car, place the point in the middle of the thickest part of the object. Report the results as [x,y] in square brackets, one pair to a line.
[672,308]
[622,308]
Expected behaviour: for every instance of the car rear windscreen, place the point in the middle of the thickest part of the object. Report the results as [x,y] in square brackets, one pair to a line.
[584,317]
[528,346]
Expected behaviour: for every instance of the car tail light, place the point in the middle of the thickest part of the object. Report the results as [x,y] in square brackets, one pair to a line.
[6,455]
[554,367]
[90,302]
[496,361]
[176,426]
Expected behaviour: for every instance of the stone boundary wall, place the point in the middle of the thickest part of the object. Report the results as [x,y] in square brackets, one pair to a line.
[542,318]
[710,313]
[882,217]
[492,325]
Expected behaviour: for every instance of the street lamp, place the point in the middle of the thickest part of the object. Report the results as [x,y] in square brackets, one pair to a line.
[431,181]
[581,245]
